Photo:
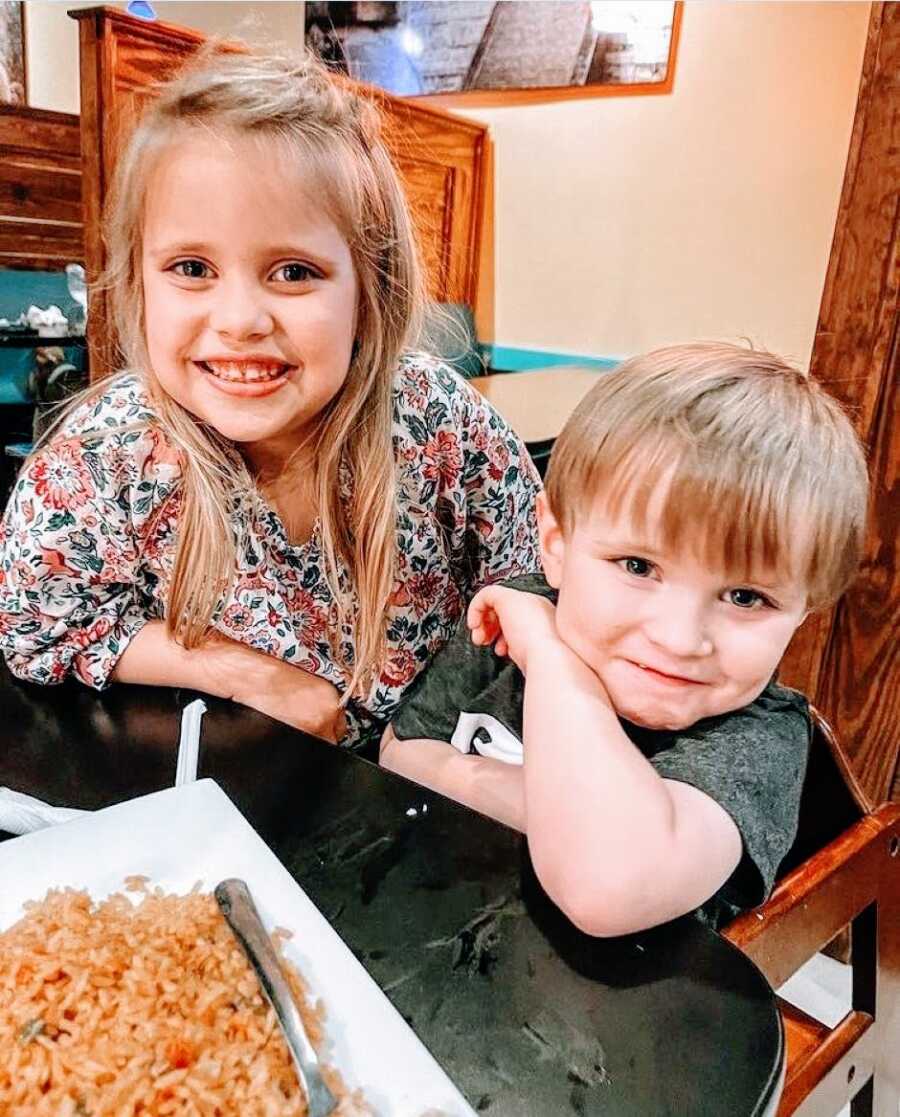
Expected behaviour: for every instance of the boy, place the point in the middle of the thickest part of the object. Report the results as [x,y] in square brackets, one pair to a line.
[700,501]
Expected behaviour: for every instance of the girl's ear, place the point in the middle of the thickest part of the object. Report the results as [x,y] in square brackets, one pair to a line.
[553,543]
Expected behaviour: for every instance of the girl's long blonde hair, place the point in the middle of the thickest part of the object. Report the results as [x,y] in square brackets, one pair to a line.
[332,132]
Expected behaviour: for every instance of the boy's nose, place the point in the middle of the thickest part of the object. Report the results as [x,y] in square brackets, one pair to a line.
[239,312]
[680,629]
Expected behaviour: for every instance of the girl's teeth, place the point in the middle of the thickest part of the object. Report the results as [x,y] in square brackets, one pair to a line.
[232,370]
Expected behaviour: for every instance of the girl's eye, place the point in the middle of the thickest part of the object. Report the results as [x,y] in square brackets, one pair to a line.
[638,567]
[294,273]
[746,598]
[191,269]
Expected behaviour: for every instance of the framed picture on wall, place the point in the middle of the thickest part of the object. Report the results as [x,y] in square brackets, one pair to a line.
[12,54]
[500,53]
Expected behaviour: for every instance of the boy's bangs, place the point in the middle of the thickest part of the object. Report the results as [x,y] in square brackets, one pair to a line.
[739,517]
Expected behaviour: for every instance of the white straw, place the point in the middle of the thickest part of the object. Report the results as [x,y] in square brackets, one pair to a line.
[189,745]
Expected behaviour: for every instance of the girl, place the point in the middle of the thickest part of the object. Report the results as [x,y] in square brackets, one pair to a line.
[277,502]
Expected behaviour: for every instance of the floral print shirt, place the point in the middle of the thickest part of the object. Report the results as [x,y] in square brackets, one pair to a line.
[87,544]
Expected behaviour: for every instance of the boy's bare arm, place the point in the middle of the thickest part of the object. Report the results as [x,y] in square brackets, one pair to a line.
[229,669]
[487,785]
[615,845]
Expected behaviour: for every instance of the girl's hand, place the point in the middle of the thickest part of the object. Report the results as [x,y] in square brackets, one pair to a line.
[281,690]
[513,621]
[300,699]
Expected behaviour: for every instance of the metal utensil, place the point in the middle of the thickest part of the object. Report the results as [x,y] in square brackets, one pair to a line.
[234,899]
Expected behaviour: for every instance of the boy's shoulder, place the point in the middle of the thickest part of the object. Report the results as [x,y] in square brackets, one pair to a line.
[777,697]
[775,712]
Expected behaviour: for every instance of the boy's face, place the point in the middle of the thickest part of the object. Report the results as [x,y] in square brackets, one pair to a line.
[671,640]
[250,292]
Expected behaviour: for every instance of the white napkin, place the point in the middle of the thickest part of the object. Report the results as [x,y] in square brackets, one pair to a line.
[21,814]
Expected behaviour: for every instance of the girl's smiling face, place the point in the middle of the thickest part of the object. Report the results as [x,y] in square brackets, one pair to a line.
[250,294]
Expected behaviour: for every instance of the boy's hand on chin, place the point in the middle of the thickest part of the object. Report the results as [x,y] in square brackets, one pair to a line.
[513,621]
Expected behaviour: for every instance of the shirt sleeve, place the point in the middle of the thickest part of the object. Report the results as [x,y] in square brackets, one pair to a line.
[70,550]
[501,487]
[753,763]
[460,460]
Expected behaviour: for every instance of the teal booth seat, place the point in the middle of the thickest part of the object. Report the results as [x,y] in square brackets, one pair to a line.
[20,289]
[450,334]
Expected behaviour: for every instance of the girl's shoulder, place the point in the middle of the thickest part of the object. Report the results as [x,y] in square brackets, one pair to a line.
[430,396]
[117,433]
[121,401]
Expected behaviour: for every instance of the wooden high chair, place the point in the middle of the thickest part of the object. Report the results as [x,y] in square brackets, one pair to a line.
[844,868]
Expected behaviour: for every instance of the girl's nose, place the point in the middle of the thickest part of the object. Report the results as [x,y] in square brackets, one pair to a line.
[239,311]
[680,628]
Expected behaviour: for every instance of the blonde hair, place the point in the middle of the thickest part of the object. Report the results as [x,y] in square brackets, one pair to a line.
[761,466]
[333,133]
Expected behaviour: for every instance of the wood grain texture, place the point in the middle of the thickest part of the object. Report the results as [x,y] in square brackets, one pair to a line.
[847,661]
[855,877]
[441,158]
[40,189]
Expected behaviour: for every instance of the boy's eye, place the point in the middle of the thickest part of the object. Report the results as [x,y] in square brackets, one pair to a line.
[191,269]
[294,273]
[640,568]
[746,598]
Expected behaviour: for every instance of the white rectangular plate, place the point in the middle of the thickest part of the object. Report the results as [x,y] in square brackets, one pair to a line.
[195,832]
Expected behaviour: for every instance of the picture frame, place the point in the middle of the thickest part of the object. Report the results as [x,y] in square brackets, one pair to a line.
[13,84]
[468,53]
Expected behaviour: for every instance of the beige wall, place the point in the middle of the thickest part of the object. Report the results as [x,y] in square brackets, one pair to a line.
[625,223]
[51,37]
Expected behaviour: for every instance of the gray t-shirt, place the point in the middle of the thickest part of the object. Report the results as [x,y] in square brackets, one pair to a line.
[752,761]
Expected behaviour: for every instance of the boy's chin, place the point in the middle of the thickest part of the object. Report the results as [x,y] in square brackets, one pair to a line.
[650,715]
[662,722]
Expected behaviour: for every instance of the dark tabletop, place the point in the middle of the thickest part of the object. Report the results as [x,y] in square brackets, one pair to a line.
[527,1015]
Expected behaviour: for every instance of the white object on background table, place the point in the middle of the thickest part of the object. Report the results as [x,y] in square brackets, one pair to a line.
[21,814]
[185,834]
[189,744]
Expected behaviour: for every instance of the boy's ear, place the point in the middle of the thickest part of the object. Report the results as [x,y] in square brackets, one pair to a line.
[553,543]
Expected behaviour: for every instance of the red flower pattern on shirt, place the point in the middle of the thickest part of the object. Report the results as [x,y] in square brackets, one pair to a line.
[443,459]
[60,477]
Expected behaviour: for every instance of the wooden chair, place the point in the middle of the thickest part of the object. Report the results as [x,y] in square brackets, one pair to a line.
[844,868]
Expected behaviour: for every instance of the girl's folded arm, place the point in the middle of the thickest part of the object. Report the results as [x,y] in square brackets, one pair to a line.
[228,669]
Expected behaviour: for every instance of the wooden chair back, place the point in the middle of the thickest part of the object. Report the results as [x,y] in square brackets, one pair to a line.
[842,871]
[832,798]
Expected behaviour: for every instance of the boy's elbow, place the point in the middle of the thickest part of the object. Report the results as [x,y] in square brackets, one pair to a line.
[603,913]
[601,903]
